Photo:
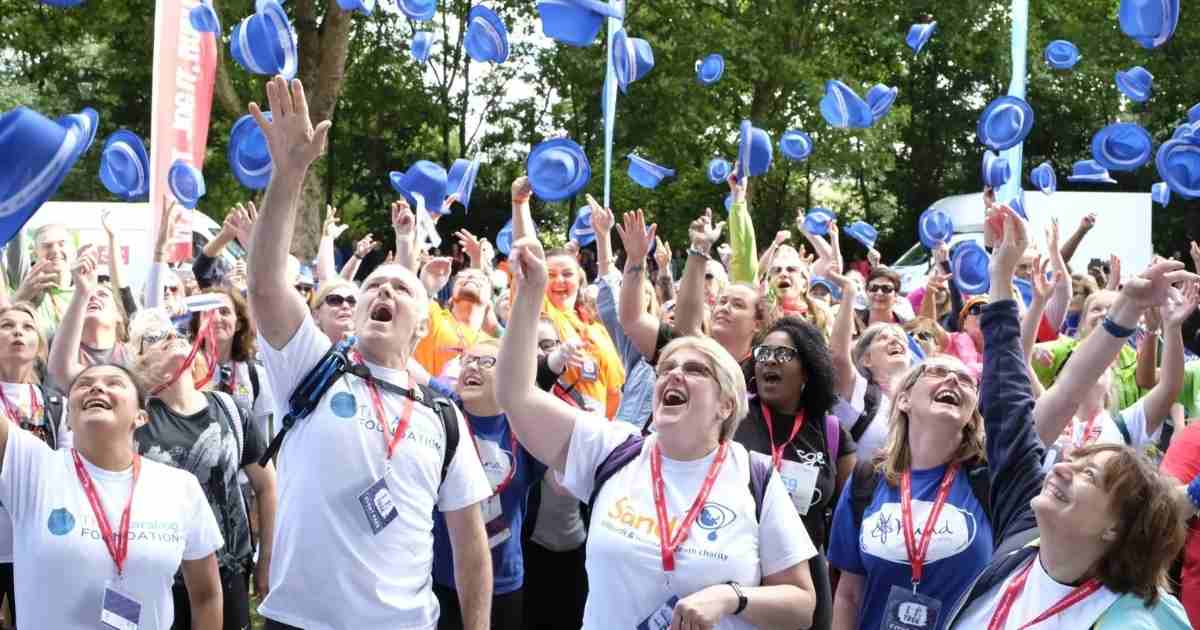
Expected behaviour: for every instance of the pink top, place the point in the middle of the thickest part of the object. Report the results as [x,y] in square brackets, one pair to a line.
[962,347]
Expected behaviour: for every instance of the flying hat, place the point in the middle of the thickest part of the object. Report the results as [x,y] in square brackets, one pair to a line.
[575,22]
[125,166]
[249,156]
[581,230]
[996,170]
[487,37]
[504,238]
[186,183]
[863,232]
[364,7]
[63,4]
[1005,122]
[87,121]
[1044,178]
[1161,193]
[1187,131]
[39,153]
[933,227]
[918,36]
[754,151]
[1061,54]
[421,46]
[795,145]
[632,58]
[728,203]
[1122,147]
[817,220]
[718,170]
[204,18]
[880,99]
[419,10]
[461,179]
[969,264]
[264,43]
[1135,83]
[842,107]
[1091,172]
[424,178]
[646,173]
[710,69]
[1178,163]
[558,168]
[1149,22]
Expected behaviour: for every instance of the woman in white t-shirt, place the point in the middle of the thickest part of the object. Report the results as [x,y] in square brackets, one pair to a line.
[676,537]
[100,531]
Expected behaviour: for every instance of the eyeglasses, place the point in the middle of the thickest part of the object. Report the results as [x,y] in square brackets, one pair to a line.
[336,300]
[484,363]
[886,289]
[774,354]
[975,309]
[150,339]
[691,369]
[938,371]
[547,345]
[709,276]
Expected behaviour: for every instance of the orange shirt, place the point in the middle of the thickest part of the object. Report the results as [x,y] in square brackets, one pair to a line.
[447,338]
[602,390]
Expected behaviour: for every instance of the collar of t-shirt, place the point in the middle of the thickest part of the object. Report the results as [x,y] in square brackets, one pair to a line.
[1042,592]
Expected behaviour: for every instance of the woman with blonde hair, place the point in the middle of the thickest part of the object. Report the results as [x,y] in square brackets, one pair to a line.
[333,308]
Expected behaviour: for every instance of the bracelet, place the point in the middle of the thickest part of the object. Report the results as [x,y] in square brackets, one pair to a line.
[742,601]
[355,255]
[1117,330]
[635,269]
[695,251]
[1193,490]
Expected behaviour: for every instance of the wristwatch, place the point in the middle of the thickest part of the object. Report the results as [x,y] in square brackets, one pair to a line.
[695,251]
[742,601]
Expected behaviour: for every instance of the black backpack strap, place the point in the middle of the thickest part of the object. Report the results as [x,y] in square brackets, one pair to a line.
[53,409]
[863,482]
[760,475]
[445,411]
[870,406]
[252,367]
[981,485]
[310,391]
[1124,428]
[624,453]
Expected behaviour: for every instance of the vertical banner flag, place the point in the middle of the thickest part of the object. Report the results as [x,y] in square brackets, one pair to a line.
[185,67]
[610,99]
[1016,87]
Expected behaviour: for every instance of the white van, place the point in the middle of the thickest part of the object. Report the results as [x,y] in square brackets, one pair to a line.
[1122,228]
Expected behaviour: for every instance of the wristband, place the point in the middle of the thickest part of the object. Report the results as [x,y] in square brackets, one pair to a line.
[1117,330]
[695,251]
[1193,490]
[355,255]
[742,601]
[634,269]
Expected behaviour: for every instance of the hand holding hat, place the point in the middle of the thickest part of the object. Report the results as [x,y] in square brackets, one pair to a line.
[294,143]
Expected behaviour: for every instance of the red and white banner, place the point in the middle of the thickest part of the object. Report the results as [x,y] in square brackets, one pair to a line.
[185,67]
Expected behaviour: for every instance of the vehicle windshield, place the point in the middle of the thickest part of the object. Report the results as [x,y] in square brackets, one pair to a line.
[918,255]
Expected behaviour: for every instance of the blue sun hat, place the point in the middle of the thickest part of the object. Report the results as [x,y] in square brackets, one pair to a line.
[795,145]
[204,18]
[249,157]
[817,220]
[1187,131]
[863,232]
[754,151]
[1089,171]
[1061,54]
[842,107]
[125,166]
[718,170]
[487,36]
[264,43]
[1044,178]
[365,7]
[1004,123]
[1178,163]
[424,178]
[1149,22]
[918,36]
[632,58]
[38,154]
[1122,147]
[996,170]
[969,264]
[1161,193]
[880,98]
[933,227]
[461,180]
[419,10]
[421,46]
[647,174]
[710,69]
[581,230]
[186,183]
[1136,83]
[504,238]
[557,168]
[575,22]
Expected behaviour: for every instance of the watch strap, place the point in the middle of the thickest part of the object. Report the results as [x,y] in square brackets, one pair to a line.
[742,601]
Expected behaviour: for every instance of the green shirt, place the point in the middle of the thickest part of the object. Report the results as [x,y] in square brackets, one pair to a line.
[744,265]
[1049,357]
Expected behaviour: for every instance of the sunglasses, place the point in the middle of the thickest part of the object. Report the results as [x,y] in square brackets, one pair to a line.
[938,372]
[886,289]
[150,339]
[924,335]
[774,354]
[303,290]
[709,276]
[484,363]
[336,300]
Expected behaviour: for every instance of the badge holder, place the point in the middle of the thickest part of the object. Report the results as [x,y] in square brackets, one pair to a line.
[801,483]
[119,610]
[660,619]
[377,504]
[910,610]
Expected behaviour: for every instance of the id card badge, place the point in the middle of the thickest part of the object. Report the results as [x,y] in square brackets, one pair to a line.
[801,483]
[491,508]
[377,505]
[119,610]
[907,610]
[589,371]
[660,619]
[498,531]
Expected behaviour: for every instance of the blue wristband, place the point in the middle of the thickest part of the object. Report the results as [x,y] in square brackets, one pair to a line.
[1117,330]
[1193,491]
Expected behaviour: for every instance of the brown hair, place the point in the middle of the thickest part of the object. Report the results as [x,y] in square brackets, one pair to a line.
[243,335]
[885,272]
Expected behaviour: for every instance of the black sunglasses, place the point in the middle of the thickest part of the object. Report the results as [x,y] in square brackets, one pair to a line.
[887,289]
[547,345]
[336,300]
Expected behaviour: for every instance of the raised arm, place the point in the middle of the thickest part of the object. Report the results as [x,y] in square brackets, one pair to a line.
[116,270]
[744,263]
[330,231]
[1146,369]
[1085,225]
[602,224]
[1157,402]
[1060,298]
[689,304]
[664,282]
[63,363]
[522,218]
[364,246]
[641,327]
[764,261]
[162,245]
[294,144]
[404,225]
[840,340]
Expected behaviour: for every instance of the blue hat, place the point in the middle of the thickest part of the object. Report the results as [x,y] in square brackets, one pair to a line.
[186,183]
[933,227]
[204,18]
[461,180]
[1135,83]
[487,37]
[632,58]
[264,43]
[557,168]
[125,166]
[728,202]
[419,10]
[1194,113]
[710,69]
[1044,178]
[38,154]
[1017,204]
[424,178]
[969,264]
[1187,131]
[1005,122]
[1178,163]
[575,22]
[86,121]
[817,220]
[1062,54]
[1122,147]
[1161,193]
[834,290]
[421,46]
[64,4]
[249,156]
[754,151]
[1091,172]
[581,230]
[364,7]
[718,170]
[646,173]
[996,170]
[504,238]
[842,107]
[880,99]
[1025,289]
[1149,22]
[795,145]
[863,232]
[918,36]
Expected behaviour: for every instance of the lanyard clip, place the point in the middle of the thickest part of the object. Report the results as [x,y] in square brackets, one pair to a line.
[915,583]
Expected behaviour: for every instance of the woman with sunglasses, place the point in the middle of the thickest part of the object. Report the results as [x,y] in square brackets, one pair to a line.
[792,393]
[883,287]
[333,309]
[92,329]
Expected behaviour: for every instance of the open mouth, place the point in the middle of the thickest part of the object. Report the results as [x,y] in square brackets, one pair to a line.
[1054,493]
[96,403]
[674,397]
[784,283]
[896,349]
[381,313]
[947,396]
[772,378]
[473,380]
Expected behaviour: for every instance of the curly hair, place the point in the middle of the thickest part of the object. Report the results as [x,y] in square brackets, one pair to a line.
[818,396]
[244,334]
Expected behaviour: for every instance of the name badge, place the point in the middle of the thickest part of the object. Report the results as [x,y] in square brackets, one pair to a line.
[491,509]
[119,611]
[377,505]
[660,619]
[801,483]
[589,371]
[907,610]
[498,531]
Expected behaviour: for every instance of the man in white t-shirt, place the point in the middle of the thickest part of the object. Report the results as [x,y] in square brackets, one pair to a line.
[354,545]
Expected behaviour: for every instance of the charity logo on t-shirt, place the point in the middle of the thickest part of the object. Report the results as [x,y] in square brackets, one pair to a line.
[641,526]
[61,522]
[883,537]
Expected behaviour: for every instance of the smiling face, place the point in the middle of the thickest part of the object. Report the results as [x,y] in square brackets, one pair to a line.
[686,394]
[882,292]
[103,402]
[335,312]
[476,380]
[735,315]
[779,372]
[20,338]
[787,274]
[886,352]
[563,281]
[225,321]
[53,244]
[392,312]
[943,392]
[1075,497]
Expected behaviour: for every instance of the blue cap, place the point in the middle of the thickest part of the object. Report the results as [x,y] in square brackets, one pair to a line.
[1025,289]
[186,183]
[504,238]
[1178,163]
[718,170]
[125,166]
[918,36]
[581,230]
[632,59]
[754,151]
[249,157]
[969,264]
[575,22]
[364,7]
[880,98]
[646,173]
[1044,178]
[419,10]
[795,145]
[996,170]
[425,178]
[487,36]
[38,154]
[204,18]
[710,69]
[1122,147]
[1090,171]
[817,220]
[1135,83]
[1005,122]
[1061,54]
[557,168]
[834,290]
[421,46]
[863,232]
[1161,193]
[842,107]
[461,180]
[1149,22]
[933,227]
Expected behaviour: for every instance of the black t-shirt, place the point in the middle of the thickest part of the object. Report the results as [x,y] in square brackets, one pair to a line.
[205,445]
[810,448]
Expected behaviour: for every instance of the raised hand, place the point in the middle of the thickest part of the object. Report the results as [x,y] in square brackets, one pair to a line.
[470,244]
[331,228]
[781,237]
[1182,305]
[166,226]
[83,272]
[1013,243]
[702,233]
[736,186]
[528,264]
[1042,286]
[1088,221]
[436,273]
[873,257]
[106,223]
[602,218]
[941,252]
[521,190]
[635,236]
[365,245]
[662,253]
[1152,287]
[243,221]
[1195,249]
[293,141]
[1114,272]
[404,222]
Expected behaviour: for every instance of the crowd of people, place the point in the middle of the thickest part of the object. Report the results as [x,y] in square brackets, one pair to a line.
[771,439]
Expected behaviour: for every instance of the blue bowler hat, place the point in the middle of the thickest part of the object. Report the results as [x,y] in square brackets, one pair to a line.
[63,4]
[504,238]
[575,22]
[1178,163]
[795,145]
[86,121]
[421,46]
[1187,131]
[1061,54]
[834,290]
[754,151]
[842,107]
[557,168]
[1135,83]
[996,170]
[646,173]
[1122,147]
[880,99]
[1194,113]
[1090,171]
[969,264]
[933,227]
[718,170]
[817,220]
[710,69]
[632,58]
[125,166]
[186,183]
[863,232]
[424,178]
[581,230]
[419,10]
[38,154]
[1005,122]
[487,37]
[1149,22]
[1044,178]
[204,18]
[1161,193]
[364,7]
[264,43]
[461,180]
[918,36]
[249,157]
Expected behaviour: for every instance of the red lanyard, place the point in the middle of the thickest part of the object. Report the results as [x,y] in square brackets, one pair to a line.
[1087,431]
[118,546]
[512,445]
[401,423]
[14,413]
[1078,594]
[916,552]
[668,543]
[777,451]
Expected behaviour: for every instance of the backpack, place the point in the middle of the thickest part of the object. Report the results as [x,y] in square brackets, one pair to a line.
[865,479]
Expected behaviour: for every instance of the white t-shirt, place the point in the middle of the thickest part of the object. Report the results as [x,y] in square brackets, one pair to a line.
[1103,431]
[63,563]
[328,570]
[873,439]
[626,582]
[18,396]
[1040,593]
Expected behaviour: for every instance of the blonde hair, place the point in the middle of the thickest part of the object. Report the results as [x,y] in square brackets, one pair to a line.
[153,320]
[42,346]
[327,287]
[726,371]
